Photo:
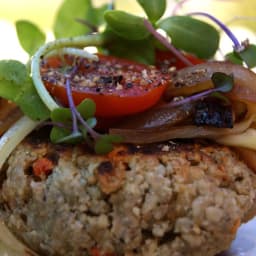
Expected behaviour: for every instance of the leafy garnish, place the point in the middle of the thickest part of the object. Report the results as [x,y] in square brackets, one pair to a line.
[79,17]
[62,120]
[97,15]
[248,55]
[65,25]
[87,108]
[180,27]
[31,37]
[132,49]
[166,43]
[126,25]
[62,130]
[59,134]
[13,71]
[237,46]
[222,82]
[243,52]
[75,124]
[61,114]
[234,58]
[30,102]
[105,143]
[153,8]
[16,85]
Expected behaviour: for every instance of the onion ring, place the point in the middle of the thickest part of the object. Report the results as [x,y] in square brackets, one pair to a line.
[198,78]
[165,133]
[191,80]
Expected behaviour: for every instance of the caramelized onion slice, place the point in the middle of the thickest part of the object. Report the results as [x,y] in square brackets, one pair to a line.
[198,77]
[158,116]
[165,133]
[191,80]
[245,139]
[248,156]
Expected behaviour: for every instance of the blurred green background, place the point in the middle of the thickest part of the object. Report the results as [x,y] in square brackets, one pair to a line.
[42,12]
[236,13]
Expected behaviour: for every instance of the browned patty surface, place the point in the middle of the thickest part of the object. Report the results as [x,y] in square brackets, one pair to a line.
[169,199]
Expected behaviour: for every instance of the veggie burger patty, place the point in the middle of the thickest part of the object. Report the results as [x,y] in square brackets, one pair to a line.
[164,199]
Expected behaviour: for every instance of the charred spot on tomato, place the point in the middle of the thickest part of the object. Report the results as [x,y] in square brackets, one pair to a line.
[98,89]
[213,112]
[106,79]
[128,85]
[111,79]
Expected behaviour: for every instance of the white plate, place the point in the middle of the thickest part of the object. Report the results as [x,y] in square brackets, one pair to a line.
[245,242]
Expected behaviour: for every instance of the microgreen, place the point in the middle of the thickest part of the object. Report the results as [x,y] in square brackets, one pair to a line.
[105,143]
[237,46]
[153,8]
[31,37]
[166,43]
[75,124]
[248,55]
[135,49]
[180,27]
[234,58]
[96,19]
[16,85]
[243,52]
[65,25]
[62,127]
[126,25]
[222,82]
[79,17]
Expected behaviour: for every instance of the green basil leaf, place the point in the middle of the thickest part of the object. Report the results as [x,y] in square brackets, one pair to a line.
[61,115]
[13,75]
[130,49]
[65,24]
[153,8]
[126,25]
[72,138]
[31,104]
[84,132]
[87,108]
[97,17]
[30,36]
[102,147]
[9,90]
[91,122]
[57,133]
[191,35]
[222,81]
[13,71]
[248,55]
[17,86]
[234,58]
[105,144]
[62,135]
